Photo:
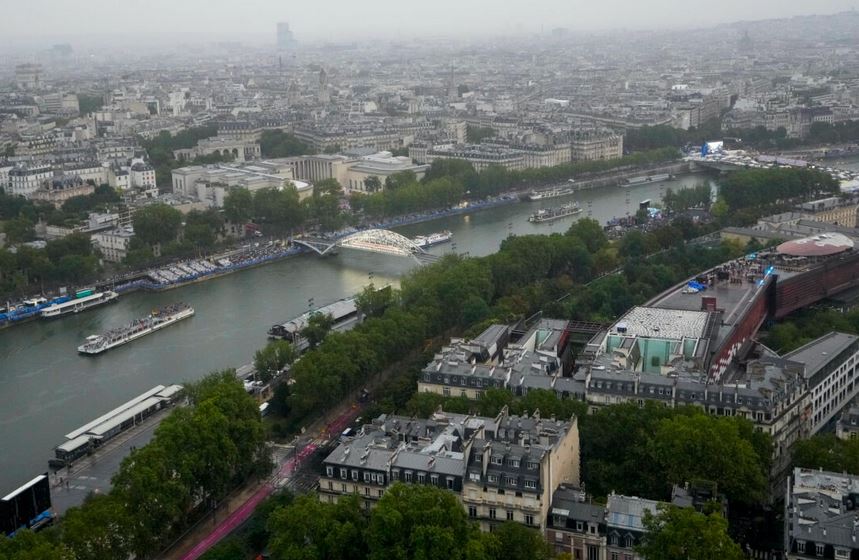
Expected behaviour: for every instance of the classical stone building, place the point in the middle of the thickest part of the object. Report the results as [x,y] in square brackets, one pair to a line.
[503,469]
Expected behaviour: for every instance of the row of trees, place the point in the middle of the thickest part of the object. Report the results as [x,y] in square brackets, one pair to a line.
[70,260]
[281,211]
[528,274]
[752,188]
[197,455]
[410,521]
[809,324]
[659,136]
[827,452]
[278,144]
[449,181]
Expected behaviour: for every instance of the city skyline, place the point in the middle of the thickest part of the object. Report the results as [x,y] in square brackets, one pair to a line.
[49,21]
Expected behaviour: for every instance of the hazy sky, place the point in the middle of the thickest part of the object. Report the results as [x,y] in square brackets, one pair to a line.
[346,19]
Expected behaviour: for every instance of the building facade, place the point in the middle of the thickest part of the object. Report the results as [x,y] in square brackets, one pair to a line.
[503,469]
[821,516]
[114,244]
[25,179]
[596,146]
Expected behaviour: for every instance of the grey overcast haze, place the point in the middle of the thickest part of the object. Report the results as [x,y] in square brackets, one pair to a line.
[332,20]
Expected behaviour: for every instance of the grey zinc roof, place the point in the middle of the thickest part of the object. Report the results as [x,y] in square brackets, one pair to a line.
[819,513]
[820,352]
[569,502]
[453,464]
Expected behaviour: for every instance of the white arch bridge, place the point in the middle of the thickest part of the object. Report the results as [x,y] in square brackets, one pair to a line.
[373,240]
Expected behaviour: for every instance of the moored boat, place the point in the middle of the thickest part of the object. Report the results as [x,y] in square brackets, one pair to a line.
[83,300]
[551,214]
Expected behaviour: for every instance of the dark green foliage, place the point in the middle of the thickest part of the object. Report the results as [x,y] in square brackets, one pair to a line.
[197,454]
[101,199]
[90,103]
[825,451]
[682,533]
[679,201]
[34,546]
[372,301]
[67,260]
[313,530]
[318,327]
[517,542]
[278,209]
[160,149]
[157,223]
[202,228]
[269,360]
[409,522]
[476,134]
[230,548]
[751,188]
[806,325]
[642,451]
[278,144]
[239,206]
[323,208]
[420,522]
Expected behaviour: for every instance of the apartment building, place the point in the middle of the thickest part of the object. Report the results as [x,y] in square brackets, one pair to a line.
[821,517]
[590,146]
[503,469]
[25,179]
[830,372]
[114,244]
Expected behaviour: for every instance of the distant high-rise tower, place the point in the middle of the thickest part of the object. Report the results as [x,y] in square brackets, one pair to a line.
[452,90]
[746,44]
[285,38]
[323,97]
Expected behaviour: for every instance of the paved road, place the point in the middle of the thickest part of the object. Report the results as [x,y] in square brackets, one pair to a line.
[69,488]
[287,468]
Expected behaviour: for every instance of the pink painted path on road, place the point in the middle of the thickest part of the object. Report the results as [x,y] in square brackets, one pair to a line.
[243,512]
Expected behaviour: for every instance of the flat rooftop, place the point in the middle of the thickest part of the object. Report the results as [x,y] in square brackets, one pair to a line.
[817,353]
[661,322]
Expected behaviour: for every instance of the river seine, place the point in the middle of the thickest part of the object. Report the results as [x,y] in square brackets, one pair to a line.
[47,389]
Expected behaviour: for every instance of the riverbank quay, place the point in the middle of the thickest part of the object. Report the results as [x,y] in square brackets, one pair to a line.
[71,485]
[183,278]
[175,275]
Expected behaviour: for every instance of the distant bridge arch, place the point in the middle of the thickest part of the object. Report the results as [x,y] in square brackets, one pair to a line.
[372,240]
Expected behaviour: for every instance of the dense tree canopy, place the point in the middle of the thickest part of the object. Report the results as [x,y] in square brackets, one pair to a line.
[239,206]
[827,452]
[684,534]
[278,209]
[420,522]
[197,454]
[278,144]
[806,325]
[157,223]
[272,358]
[762,187]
